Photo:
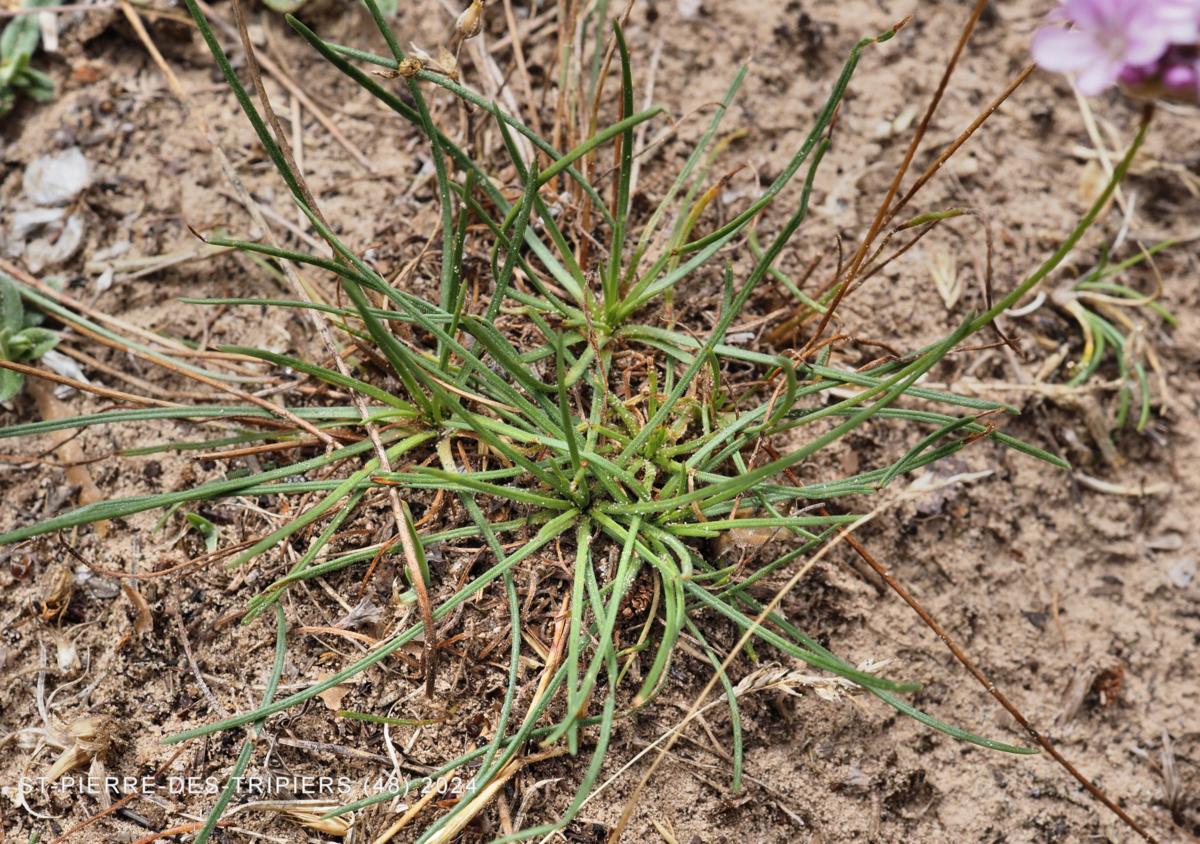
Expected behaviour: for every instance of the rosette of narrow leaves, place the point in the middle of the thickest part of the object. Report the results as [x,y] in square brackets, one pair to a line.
[1109,314]
[651,467]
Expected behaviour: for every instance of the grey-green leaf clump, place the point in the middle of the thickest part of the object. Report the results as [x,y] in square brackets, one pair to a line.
[22,339]
[564,413]
[1105,309]
[18,42]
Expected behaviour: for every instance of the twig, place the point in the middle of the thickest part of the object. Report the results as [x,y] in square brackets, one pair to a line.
[881,215]
[532,27]
[1134,490]
[77,473]
[648,100]
[149,575]
[120,804]
[176,347]
[413,810]
[179,829]
[181,631]
[514,32]
[984,681]
[128,269]
[949,151]
[143,385]
[485,794]
[295,90]
[117,395]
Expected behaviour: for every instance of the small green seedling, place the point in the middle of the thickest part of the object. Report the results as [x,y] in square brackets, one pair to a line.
[208,531]
[17,44]
[1103,304]
[22,340]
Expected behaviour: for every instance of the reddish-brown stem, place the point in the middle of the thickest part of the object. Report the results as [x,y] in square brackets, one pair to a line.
[884,207]
[118,805]
[949,151]
[1012,710]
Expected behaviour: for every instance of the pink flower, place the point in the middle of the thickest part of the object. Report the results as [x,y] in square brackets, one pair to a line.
[1183,19]
[1175,76]
[1110,36]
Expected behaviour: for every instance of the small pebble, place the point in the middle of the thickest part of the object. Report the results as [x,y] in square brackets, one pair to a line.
[1183,573]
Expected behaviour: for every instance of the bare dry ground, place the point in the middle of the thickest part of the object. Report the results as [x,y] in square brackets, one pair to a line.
[1082,605]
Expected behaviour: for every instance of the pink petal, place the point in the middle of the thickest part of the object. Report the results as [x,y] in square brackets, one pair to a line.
[1142,51]
[1088,14]
[1099,14]
[1066,50]
[1097,77]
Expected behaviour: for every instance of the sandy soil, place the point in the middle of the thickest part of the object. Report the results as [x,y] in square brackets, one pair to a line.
[1084,607]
